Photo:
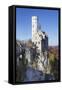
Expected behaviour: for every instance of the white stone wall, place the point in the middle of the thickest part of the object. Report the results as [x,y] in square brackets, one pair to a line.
[34,26]
[35,36]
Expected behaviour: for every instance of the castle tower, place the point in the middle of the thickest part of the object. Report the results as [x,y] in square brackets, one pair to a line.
[36,39]
[34,26]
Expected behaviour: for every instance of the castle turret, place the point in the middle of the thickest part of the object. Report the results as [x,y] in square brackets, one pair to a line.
[34,26]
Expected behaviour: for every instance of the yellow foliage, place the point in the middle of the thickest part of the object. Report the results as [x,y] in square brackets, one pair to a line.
[51,56]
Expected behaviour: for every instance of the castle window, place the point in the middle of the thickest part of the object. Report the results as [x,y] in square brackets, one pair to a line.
[33,26]
[38,42]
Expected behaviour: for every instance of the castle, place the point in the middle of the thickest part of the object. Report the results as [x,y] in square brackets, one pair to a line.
[40,39]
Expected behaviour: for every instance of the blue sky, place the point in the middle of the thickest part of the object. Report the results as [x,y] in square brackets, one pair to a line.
[48,20]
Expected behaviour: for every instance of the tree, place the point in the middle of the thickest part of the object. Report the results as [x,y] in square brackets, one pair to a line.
[53,65]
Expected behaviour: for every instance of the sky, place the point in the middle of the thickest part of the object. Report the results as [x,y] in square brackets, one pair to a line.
[48,20]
